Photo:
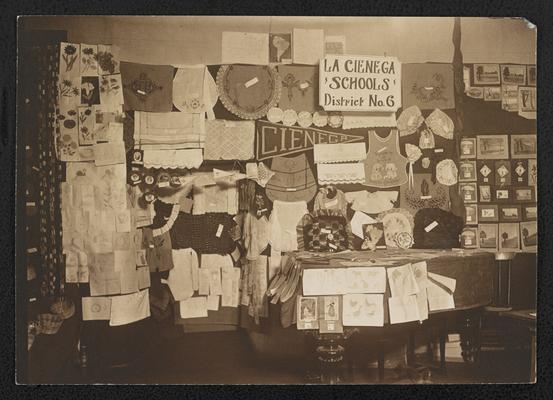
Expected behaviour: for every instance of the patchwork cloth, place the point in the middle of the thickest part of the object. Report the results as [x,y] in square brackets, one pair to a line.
[325,230]
[229,140]
[147,87]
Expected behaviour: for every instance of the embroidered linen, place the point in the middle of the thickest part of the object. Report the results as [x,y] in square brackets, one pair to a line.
[256,235]
[229,140]
[337,203]
[372,120]
[428,86]
[181,277]
[440,123]
[248,91]
[300,87]
[293,180]
[385,167]
[220,197]
[446,172]
[284,219]
[147,87]
[372,203]
[338,174]
[180,158]
[339,152]
[409,121]
[174,130]
[194,90]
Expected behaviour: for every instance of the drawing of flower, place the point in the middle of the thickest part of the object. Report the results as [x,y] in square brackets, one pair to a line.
[88,51]
[88,59]
[69,56]
[106,61]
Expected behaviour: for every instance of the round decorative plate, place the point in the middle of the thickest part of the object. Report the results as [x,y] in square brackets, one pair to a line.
[446,172]
[290,117]
[305,119]
[248,91]
[320,119]
[275,114]
[396,221]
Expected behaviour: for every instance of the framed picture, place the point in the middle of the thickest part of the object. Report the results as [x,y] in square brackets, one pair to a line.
[468,238]
[529,236]
[307,313]
[487,236]
[502,195]
[519,172]
[510,213]
[373,236]
[492,93]
[492,147]
[531,74]
[468,148]
[524,194]
[468,192]
[467,171]
[529,212]
[527,99]
[502,172]
[486,74]
[485,172]
[471,214]
[509,236]
[532,172]
[513,74]
[280,48]
[475,92]
[484,193]
[488,213]
[523,146]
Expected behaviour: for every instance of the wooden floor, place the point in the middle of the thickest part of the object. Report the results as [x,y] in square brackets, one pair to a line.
[226,357]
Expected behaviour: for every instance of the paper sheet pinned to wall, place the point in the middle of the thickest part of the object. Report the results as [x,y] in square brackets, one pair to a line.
[194,307]
[323,281]
[129,308]
[96,308]
[363,310]
[245,48]
[308,46]
[402,281]
[403,309]
[366,280]
[440,292]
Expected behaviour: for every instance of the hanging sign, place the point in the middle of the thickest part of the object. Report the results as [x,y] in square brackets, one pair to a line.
[360,83]
[279,140]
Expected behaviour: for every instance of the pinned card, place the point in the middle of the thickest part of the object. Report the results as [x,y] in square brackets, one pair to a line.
[363,310]
[366,280]
[402,281]
[213,303]
[403,309]
[194,307]
[109,153]
[129,308]
[96,308]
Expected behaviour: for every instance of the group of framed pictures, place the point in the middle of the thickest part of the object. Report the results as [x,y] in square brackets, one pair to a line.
[505,236]
[498,182]
[504,74]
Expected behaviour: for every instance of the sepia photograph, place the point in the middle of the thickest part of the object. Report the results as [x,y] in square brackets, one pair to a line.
[272,199]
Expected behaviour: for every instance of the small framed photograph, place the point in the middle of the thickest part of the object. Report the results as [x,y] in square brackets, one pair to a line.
[524,194]
[502,172]
[509,236]
[527,99]
[532,172]
[529,212]
[475,92]
[492,147]
[502,195]
[519,172]
[468,192]
[485,172]
[467,171]
[484,193]
[510,213]
[468,238]
[492,93]
[513,74]
[488,213]
[523,146]
[486,74]
[280,48]
[307,313]
[487,236]
[471,214]
[531,74]
[468,148]
[529,236]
